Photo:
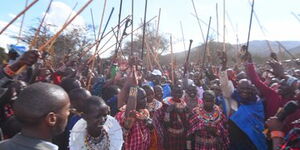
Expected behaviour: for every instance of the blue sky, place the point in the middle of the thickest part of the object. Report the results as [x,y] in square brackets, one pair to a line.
[274,15]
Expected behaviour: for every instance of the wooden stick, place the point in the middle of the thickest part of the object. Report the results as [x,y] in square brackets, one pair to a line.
[287,51]
[205,47]
[120,13]
[101,22]
[42,48]
[263,32]
[32,43]
[172,60]
[107,22]
[187,58]
[183,40]
[224,26]
[93,60]
[132,14]
[157,31]
[252,10]
[198,21]
[94,44]
[154,58]
[129,34]
[22,22]
[217,18]
[144,29]
[205,23]
[22,12]
[295,16]
[93,23]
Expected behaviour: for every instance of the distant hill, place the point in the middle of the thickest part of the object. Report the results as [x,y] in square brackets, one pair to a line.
[261,47]
[295,50]
[256,47]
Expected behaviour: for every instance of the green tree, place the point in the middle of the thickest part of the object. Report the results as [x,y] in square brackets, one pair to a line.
[156,43]
[68,44]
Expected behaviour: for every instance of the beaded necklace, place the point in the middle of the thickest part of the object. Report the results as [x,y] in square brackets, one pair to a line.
[208,117]
[97,143]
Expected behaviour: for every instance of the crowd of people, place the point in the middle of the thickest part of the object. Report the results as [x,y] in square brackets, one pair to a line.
[242,107]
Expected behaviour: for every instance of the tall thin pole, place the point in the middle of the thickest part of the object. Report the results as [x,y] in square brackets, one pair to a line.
[217,18]
[120,14]
[205,47]
[32,43]
[252,10]
[14,19]
[187,58]
[295,16]
[172,59]
[157,31]
[22,22]
[183,40]
[198,21]
[132,14]
[100,26]
[54,37]
[93,23]
[224,26]
[144,29]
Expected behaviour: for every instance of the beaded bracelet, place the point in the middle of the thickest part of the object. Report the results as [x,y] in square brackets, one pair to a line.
[277,134]
[7,70]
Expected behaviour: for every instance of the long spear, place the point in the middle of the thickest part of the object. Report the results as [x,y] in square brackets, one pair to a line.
[205,47]
[198,20]
[157,31]
[132,14]
[295,16]
[42,48]
[172,60]
[22,22]
[120,13]
[262,29]
[128,34]
[22,12]
[101,22]
[292,56]
[32,43]
[93,23]
[224,26]
[144,29]
[183,40]
[217,18]
[187,58]
[102,35]
[95,43]
[250,24]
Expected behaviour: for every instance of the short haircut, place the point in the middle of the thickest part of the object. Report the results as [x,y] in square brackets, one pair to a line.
[92,101]
[79,94]
[37,100]
[147,87]
[69,84]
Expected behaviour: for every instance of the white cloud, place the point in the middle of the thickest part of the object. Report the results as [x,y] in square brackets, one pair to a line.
[58,15]
[12,15]
[5,36]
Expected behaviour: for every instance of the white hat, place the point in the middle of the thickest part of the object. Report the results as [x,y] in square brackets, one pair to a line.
[156,72]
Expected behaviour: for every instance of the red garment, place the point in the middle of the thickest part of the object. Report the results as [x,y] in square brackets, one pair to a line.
[272,99]
[56,78]
[138,137]
[201,120]
[178,120]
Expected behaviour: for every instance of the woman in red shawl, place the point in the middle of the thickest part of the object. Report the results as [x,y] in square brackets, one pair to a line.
[208,126]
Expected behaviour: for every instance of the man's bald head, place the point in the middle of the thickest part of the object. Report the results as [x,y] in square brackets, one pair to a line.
[37,100]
